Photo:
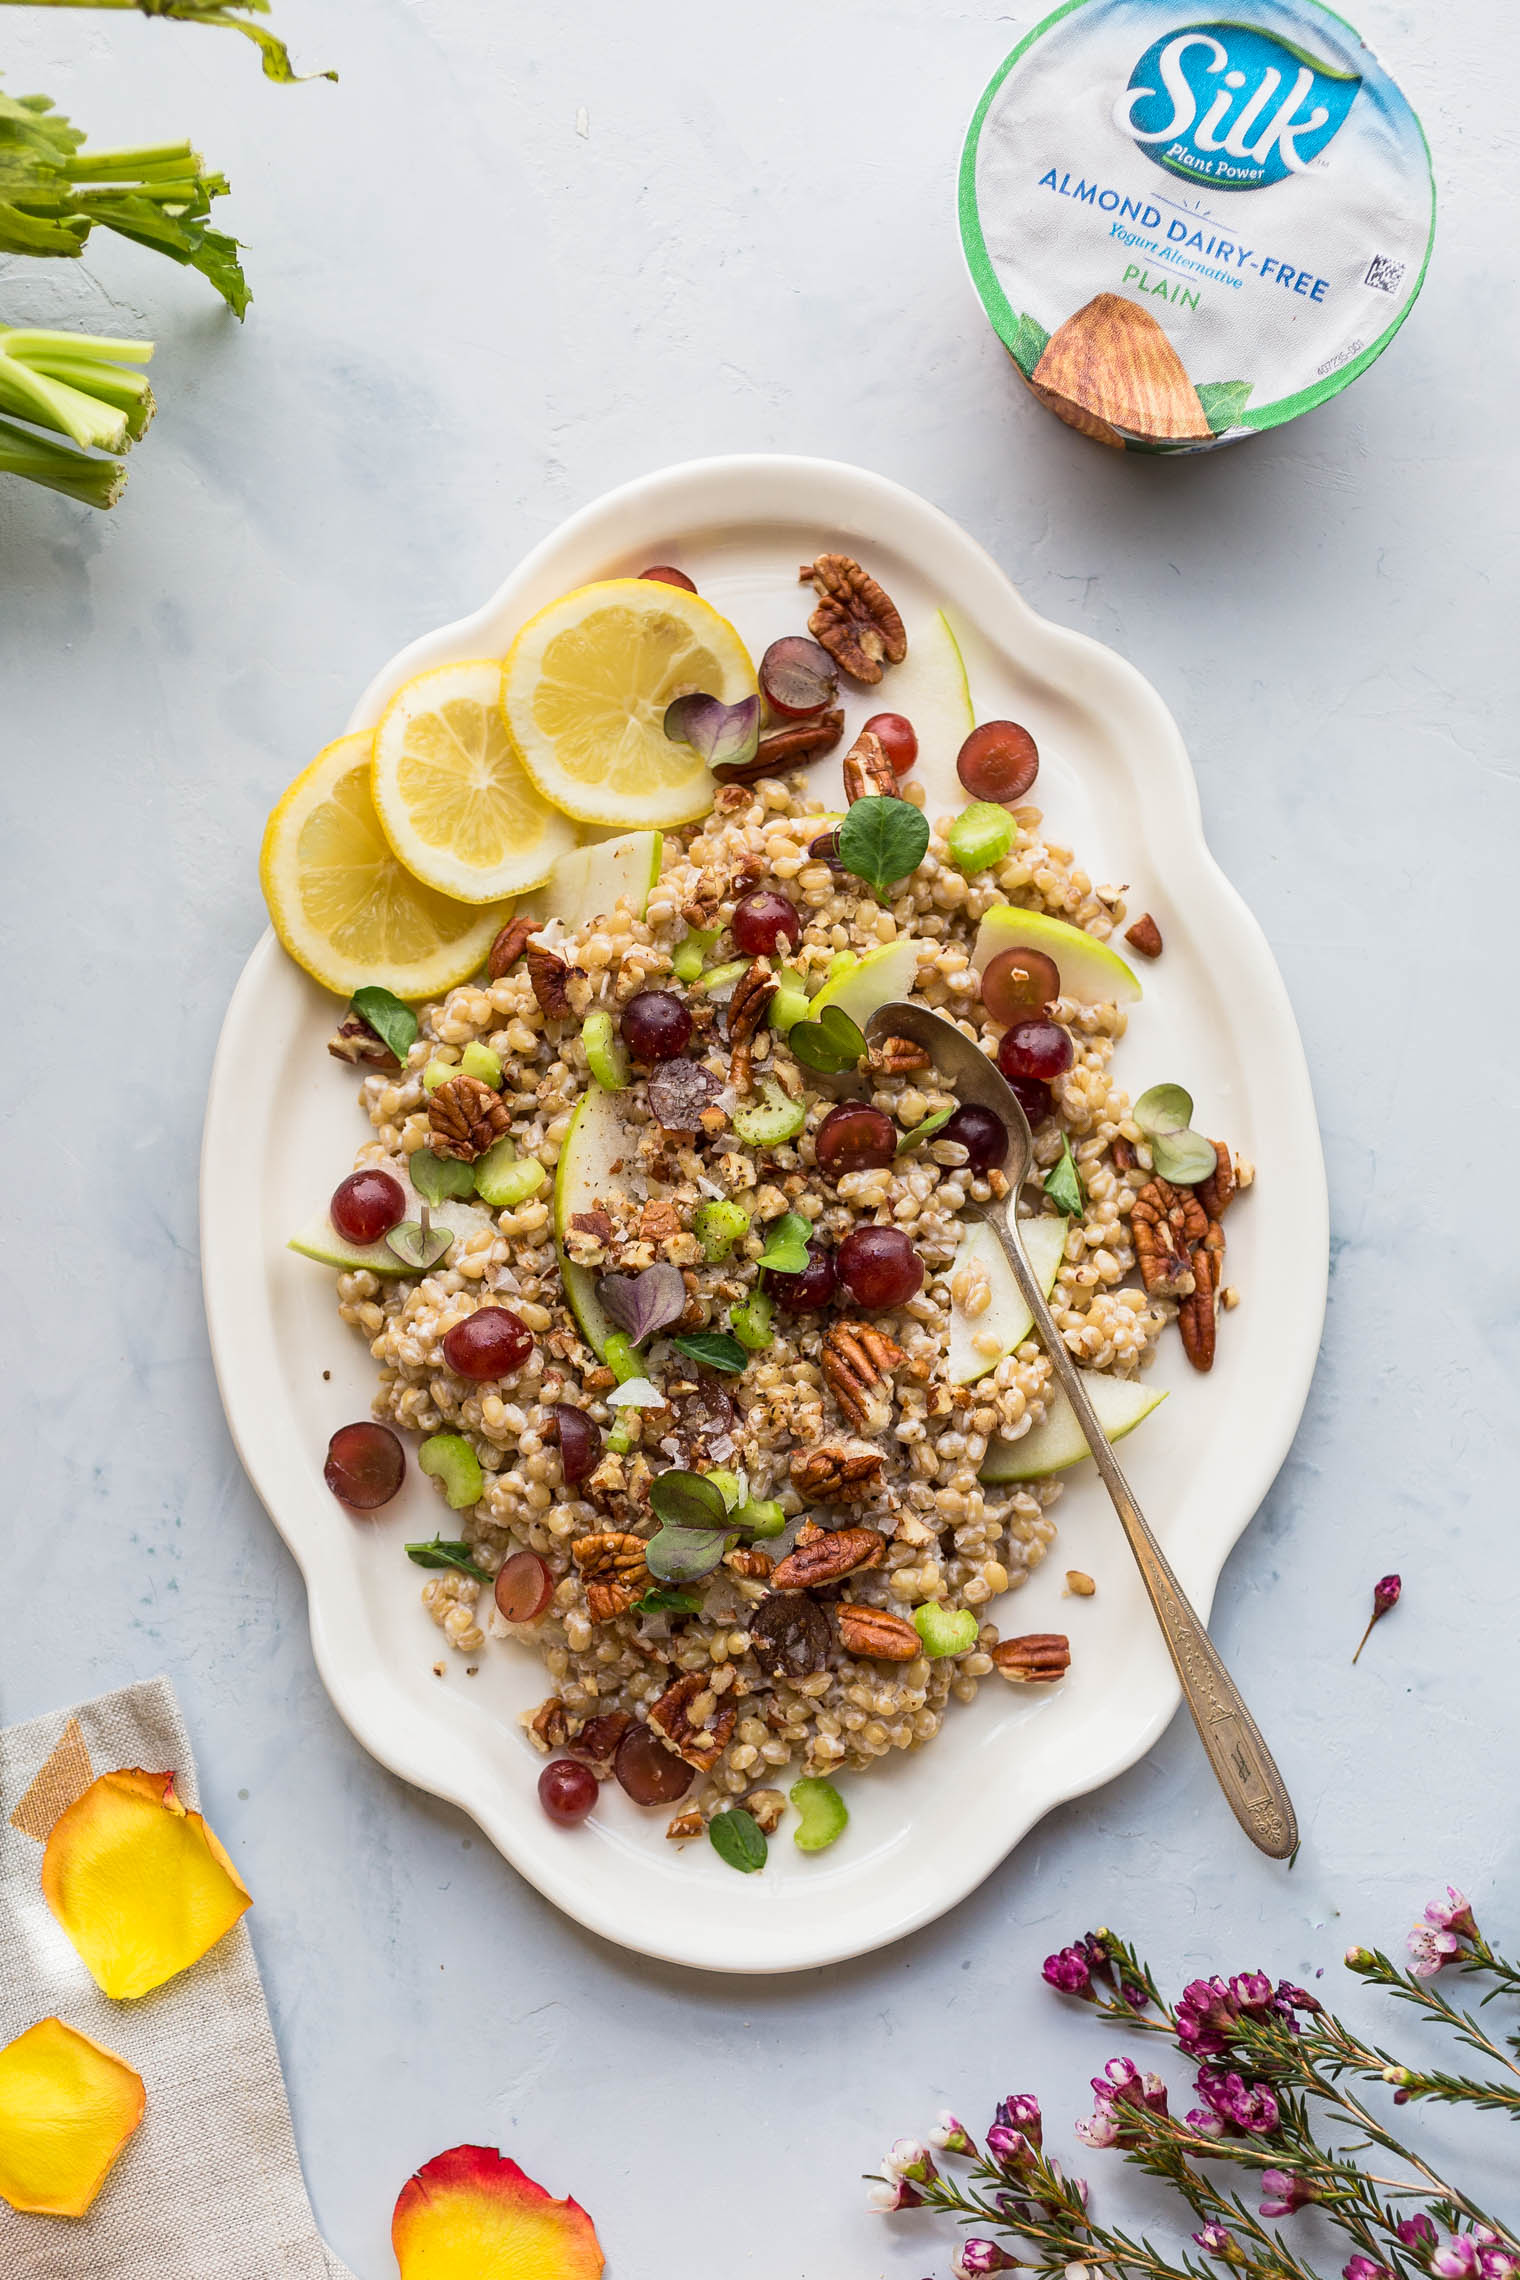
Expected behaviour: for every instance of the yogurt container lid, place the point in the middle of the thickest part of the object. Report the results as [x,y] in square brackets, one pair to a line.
[1187,227]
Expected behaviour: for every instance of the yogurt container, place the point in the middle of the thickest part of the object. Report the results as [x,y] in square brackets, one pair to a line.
[1186,227]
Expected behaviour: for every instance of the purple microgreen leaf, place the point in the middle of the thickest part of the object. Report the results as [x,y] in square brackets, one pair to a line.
[418,1246]
[642,1304]
[687,1500]
[722,735]
[685,1555]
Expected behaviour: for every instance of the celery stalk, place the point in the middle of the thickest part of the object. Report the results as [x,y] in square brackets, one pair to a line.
[94,482]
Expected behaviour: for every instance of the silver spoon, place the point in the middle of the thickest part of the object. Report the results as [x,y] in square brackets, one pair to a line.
[1250,1780]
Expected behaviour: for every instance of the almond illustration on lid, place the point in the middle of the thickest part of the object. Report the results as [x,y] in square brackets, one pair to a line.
[1185,229]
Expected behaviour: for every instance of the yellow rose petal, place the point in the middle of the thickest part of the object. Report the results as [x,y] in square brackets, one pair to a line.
[67,2108]
[142,1887]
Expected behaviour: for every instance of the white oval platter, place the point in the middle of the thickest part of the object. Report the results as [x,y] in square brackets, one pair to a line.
[282,1124]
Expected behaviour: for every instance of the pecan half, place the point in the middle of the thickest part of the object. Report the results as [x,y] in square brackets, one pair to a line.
[354,1040]
[840,1472]
[827,1558]
[509,947]
[856,620]
[550,1725]
[550,977]
[752,994]
[857,1359]
[898,1057]
[790,747]
[872,1635]
[692,1720]
[1145,936]
[465,1117]
[1037,1659]
[1167,1222]
[868,773]
[612,1570]
[1218,1191]
[749,1562]
[1195,1316]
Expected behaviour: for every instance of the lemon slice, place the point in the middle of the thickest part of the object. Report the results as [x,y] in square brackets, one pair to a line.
[451,793]
[343,906]
[585,688]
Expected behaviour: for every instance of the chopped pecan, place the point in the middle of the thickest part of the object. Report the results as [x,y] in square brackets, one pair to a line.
[856,620]
[1167,1222]
[598,1739]
[1122,1153]
[702,905]
[1037,1659]
[550,977]
[790,747]
[765,1808]
[685,1825]
[871,1634]
[354,1040]
[840,1472]
[465,1117]
[550,1725]
[659,1220]
[597,1223]
[857,1358]
[612,1570]
[749,1562]
[898,1057]
[731,799]
[693,1721]
[868,773]
[509,946]
[829,1557]
[1195,1316]
[1217,1192]
[1145,936]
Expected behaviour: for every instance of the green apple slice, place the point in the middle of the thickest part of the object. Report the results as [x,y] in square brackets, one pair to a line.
[978,1342]
[874,980]
[598,1147]
[1090,972]
[929,688]
[590,882]
[1121,1403]
[320,1240]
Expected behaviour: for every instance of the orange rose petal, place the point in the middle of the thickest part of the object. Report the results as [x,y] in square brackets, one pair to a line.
[472,2215]
[67,2108]
[142,1887]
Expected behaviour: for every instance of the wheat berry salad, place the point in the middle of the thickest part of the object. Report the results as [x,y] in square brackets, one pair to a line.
[675,1286]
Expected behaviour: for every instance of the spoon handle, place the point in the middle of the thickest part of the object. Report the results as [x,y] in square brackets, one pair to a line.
[1257,1794]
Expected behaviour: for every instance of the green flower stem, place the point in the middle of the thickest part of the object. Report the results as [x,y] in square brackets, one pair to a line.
[1426,1997]
[225,15]
[1292,2056]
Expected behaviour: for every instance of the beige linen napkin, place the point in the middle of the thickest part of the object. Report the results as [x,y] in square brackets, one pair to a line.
[209,2188]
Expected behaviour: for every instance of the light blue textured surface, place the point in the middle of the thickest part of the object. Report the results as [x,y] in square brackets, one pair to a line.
[518,256]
